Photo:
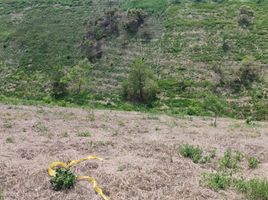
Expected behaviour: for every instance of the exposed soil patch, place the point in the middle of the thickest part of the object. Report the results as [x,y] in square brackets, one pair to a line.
[140,152]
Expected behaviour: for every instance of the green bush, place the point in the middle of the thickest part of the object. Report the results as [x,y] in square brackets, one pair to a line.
[63,180]
[253,162]
[254,189]
[189,151]
[238,156]
[228,161]
[217,180]
[141,85]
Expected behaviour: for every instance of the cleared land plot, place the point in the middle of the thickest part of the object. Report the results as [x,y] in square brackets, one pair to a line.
[140,152]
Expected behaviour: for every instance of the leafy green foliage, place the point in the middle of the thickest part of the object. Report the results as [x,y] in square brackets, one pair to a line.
[63,180]
[208,158]
[141,85]
[238,156]
[189,151]
[228,161]
[78,77]
[195,154]
[253,162]
[217,180]
[254,189]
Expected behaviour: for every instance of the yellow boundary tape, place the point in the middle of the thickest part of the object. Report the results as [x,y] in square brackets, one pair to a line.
[52,172]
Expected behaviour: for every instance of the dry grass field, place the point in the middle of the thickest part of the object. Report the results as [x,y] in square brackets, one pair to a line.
[140,152]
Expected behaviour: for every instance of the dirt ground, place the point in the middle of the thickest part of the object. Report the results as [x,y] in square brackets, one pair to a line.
[140,153]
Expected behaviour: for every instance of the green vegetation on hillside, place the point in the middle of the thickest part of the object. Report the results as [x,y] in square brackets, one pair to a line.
[209,57]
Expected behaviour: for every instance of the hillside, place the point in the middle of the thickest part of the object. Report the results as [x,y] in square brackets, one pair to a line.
[140,151]
[203,53]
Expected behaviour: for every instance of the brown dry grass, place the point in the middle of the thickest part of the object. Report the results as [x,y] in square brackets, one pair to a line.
[140,154]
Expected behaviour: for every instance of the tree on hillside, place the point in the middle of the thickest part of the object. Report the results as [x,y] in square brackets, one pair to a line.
[141,85]
[78,77]
[214,105]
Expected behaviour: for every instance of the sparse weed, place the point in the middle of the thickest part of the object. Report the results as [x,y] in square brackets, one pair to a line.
[39,127]
[84,134]
[121,123]
[121,168]
[96,144]
[65,134]
[7,125]
[1,195]
[253,162]
[157,129]
[9,140]
[238,156]
[115,132]
[91,115]
[152,117]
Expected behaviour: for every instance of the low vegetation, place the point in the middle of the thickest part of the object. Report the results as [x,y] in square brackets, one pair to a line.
[195,153]
[217,180]
[253,162]
[84,134]
[63,180]
[225,175]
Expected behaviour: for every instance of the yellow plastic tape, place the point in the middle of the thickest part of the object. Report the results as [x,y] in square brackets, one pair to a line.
[52,172]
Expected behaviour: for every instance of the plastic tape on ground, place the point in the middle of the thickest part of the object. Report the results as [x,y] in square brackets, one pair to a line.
[52,172]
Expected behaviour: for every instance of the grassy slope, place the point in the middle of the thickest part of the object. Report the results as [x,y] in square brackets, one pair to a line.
[37,37]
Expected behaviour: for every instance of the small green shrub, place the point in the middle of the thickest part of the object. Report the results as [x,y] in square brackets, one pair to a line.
[227,161]
[217,180]
[240,185]
[208,158]
[195,153]
[238,156]
[63,180]
[189,151]
[253,162]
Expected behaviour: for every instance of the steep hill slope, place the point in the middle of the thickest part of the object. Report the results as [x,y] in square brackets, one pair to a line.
[200,51]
